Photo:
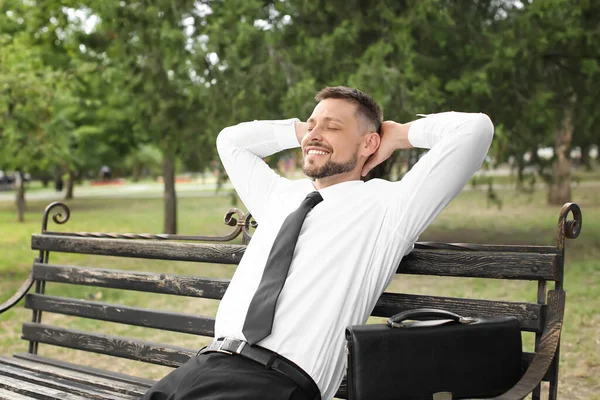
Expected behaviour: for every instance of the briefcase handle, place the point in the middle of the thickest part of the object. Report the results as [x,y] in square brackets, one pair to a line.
[421,314]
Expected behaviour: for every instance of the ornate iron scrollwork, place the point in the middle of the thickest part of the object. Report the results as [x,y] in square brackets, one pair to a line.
[19,294]
[568,228]
[234,217]
[58,217]
[572,228]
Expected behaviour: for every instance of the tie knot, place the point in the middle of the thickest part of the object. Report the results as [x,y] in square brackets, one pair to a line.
[315,197]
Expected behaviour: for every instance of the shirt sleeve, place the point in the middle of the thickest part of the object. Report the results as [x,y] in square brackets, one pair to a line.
[458,144]
[242,148]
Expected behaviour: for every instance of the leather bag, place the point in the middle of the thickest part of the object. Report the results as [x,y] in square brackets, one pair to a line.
[441,354]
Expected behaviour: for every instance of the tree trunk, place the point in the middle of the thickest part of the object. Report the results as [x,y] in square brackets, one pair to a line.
[70,184]
[520,171]
[20,195]
[170,197]
[560,189]
[58,180]
[586,160]
[534,159]
[136,172]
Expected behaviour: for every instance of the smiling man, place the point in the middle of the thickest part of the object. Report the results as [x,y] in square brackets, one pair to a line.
[325,247]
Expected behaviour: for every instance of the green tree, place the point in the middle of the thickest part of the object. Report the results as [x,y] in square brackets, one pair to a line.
[33,97]
[543,73]
[155,61]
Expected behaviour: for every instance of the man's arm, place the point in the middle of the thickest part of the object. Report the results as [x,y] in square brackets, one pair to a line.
[458,144]
[394,136]
[242,148]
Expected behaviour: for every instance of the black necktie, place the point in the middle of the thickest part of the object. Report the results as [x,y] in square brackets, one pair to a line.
[259,320]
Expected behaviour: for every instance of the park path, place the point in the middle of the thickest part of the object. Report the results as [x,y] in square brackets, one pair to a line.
[129,190]
[192,189]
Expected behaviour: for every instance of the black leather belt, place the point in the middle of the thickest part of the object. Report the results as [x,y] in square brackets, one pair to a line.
[268,359]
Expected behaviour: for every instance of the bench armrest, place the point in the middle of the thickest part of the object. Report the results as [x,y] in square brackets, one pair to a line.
[22,291]
[546,352]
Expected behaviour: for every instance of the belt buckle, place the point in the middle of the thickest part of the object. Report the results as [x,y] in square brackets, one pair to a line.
[220,348]
[236,351]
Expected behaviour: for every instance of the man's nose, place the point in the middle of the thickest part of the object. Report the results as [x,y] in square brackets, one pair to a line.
[313,135]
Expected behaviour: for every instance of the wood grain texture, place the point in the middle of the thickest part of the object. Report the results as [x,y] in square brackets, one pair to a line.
[6,395]
[171,356]
[180,285]
[24,388]
[52,372]
[127,315]
[466,263]
[113,376]
[502,248]
[88,390]
[528,314]
[151,249]
[481,264]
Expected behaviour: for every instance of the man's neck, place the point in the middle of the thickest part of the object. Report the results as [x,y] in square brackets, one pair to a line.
[322,183]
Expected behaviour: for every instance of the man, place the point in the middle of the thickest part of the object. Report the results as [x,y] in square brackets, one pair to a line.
[352,237]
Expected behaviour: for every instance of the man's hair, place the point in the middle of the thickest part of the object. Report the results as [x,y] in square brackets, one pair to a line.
[366,107]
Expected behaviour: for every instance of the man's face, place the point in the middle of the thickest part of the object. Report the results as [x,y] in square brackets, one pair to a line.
[330,146]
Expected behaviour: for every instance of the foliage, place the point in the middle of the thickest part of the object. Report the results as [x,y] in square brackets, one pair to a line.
[32,99]
[145,161]
[87,83]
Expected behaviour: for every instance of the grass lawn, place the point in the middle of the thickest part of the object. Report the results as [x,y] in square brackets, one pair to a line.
[524,219]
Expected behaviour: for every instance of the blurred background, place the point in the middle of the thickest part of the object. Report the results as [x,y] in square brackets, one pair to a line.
[114,107]
[108,90]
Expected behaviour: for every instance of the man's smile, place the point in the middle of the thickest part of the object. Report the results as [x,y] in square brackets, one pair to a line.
[316,151]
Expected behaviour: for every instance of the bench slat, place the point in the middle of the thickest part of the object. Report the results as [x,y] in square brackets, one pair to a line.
[481,264]
[342,392]
[77,388]
[75,376]
[192,286]
[489,263]
[110,375]
[144,383]
[389,304]
[39,392]
[6,395]
[152,249]
[529,314]
[171,356]
[165,320]
[509,248]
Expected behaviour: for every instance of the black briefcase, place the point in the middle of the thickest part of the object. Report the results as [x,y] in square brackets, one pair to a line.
[441,354]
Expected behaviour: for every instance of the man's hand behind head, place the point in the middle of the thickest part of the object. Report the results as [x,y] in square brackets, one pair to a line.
[394,136]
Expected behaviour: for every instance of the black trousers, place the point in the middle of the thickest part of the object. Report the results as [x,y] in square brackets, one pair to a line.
[217,376]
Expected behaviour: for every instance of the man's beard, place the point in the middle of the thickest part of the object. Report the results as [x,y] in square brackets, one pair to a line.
[330,168]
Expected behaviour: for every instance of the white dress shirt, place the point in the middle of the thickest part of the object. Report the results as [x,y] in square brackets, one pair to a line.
[350,244]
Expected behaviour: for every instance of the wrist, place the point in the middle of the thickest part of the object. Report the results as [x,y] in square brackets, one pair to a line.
[400,135]
[301,128]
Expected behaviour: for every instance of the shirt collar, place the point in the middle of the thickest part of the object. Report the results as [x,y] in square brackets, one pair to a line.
[339,190]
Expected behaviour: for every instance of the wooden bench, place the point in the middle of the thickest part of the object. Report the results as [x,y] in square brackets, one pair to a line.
[29,375]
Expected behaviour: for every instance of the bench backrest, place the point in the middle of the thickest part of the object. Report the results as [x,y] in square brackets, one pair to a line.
[531,263]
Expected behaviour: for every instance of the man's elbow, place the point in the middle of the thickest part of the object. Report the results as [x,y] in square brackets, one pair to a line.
[223,138]
[483,127]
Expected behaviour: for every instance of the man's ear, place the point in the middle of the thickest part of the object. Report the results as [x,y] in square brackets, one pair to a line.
[371,144]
